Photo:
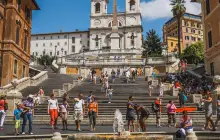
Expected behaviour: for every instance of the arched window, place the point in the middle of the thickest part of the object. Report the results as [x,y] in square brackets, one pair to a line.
[97,7]
[110,24]
[132,5]
[25,43]
[119,24]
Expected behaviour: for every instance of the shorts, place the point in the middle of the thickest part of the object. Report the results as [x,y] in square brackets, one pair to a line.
[158,115]
[130,116]
[17,123]
[78,115]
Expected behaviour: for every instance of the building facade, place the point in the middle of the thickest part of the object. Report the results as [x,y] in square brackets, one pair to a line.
[98,35]
[15,37]
[172,44]
[211,23]
[191,29]
[59,44]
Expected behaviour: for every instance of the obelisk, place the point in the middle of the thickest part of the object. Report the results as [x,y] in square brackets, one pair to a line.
[115,37]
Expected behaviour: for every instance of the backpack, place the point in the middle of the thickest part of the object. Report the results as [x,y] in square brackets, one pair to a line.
[185,97]
[179,134]
[154,107]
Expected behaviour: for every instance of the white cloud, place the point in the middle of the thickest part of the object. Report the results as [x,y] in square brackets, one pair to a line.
[156,9]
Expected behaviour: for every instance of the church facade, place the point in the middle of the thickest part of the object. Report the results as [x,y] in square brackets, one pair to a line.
[129,24]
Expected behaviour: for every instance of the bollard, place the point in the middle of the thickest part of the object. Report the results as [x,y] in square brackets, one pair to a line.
[191,136]
[56,136]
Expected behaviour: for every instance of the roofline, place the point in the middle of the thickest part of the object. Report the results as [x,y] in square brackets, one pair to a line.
[36,5]
[55,33]
[183,16]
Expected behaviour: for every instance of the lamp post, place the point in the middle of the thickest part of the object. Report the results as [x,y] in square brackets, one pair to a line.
[83,49]
[55,51]
[62,56]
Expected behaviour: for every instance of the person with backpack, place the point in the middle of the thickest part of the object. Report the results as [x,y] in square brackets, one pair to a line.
[3,109]
[113,73]
[185,126]
[171,111]
[64,113]
[156,107]
[144,114]
[92,113]
[78,112]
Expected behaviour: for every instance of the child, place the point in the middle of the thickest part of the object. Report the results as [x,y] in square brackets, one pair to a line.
[110,90]
[94,79]
[17,116]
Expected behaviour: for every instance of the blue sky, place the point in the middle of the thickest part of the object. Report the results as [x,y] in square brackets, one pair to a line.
[69,15]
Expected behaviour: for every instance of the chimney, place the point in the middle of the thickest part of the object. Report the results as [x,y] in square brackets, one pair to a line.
[61,31]
[77,30]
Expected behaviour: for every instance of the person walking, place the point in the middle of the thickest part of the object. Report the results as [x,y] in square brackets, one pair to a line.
[218,112]
[150,88]
[3,109]
[78,111]
[110,92]
[53,110]
[161,86]
[130,115]
[171,111]
[144,114]
[64,113]
[118,72]
[208,112]
[157,109]
[17,118]
[182,97]
[127,75]
[93,113]
[133,75]
[94,79]
[106,85]
[28,107]
[113,73]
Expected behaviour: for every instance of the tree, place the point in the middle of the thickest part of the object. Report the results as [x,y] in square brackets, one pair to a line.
[194,53]
[178,10]
[46,58]
[152,44]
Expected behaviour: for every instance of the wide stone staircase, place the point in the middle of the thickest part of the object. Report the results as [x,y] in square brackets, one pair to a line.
[120,95]
[54,81]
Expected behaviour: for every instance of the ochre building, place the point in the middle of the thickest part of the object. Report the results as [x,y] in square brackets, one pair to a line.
[191,30]
[211,23]
[15,37]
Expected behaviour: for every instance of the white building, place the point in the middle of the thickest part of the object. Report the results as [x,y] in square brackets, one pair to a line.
[98,35]
[52,43]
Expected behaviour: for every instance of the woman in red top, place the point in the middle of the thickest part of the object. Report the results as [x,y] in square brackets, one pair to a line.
[3,108]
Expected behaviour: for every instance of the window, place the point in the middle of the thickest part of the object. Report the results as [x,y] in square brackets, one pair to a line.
[187,45]
[193,38]
[80,41]
[212,69]
[33,53]
[132,5]
[36,54]
[210,38]
[37,38]
[207,7]
[65,52]
[25,43]
[19,5]
[58,53]
[171,44]
[58,43]
[17,36]
[65,36]
[193,31]
[110,24]
[199,39]
[97,7]
[187,30]
[119,24]
[44,44]
[36,45]
[199,32]
[198,25]
[44,37]
[73,48]
[58,37]
[80,35]
[44,52]
[27,13]
[73,39]
[65,43]
[51,37]
[23,72]
[51,53]
[51,44]
[15,66]
[186,37]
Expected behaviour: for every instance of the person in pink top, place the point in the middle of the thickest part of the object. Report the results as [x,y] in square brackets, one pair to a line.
[171,111]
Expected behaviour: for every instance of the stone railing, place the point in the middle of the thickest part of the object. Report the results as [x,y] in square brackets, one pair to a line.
[39,78]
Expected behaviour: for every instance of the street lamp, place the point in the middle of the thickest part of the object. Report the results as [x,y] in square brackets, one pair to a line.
[55,51]
[62,56]
[83,49]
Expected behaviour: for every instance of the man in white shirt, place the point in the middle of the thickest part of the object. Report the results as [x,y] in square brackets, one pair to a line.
[127,75]
[78,111]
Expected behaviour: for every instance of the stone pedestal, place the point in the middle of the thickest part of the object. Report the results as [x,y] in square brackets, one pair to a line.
[195,98]
[166,87]
[57,136]
[84,72]
[13,97]
[175,92]
[62,70]
[115,41]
